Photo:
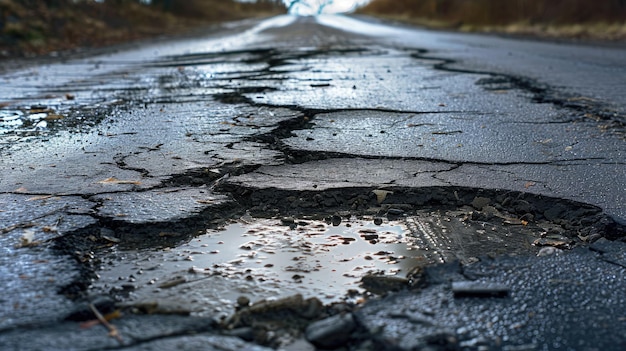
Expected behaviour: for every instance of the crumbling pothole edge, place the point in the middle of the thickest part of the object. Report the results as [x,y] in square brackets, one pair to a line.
[584,219]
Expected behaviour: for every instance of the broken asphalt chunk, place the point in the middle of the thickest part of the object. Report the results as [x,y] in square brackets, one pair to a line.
[479,289]
[331,332]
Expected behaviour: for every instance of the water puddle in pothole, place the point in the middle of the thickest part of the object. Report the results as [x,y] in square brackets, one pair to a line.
[267,259]
[262,259]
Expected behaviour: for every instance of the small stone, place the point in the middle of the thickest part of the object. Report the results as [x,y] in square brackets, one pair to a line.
[299,345]
[172,282]
[555,212]
[288,221]
[331,332]
[129,287]
[382,284]
[548,250]
[369,236]
[312,308]
[480,202]
[395,212]
[523,207]
[243,301]
[336,220]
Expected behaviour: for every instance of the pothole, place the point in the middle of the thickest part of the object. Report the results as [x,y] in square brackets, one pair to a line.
[261,259]
[268,259]
[42,121]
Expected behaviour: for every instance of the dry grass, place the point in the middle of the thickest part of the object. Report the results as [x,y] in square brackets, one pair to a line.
[31,27]
[599,19]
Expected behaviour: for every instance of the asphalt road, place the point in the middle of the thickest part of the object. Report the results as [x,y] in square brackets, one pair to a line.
[149,146]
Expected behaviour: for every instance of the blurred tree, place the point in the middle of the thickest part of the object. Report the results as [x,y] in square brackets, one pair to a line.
[499,12]
[165,5]
[55,3]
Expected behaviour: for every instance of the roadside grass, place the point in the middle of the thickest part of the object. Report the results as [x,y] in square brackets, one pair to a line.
[36,27]
[590,31]
[575,19]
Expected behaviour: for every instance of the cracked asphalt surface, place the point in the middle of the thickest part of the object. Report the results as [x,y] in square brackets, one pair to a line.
[486,150]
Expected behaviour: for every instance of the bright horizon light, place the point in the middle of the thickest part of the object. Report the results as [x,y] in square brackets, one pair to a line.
[317,7]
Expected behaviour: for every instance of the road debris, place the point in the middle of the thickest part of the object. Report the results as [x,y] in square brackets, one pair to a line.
[479,289]
[113,332]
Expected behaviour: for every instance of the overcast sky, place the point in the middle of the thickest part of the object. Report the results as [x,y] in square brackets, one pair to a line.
[311,7]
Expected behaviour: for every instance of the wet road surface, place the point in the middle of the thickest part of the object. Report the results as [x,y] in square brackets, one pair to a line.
[400,158]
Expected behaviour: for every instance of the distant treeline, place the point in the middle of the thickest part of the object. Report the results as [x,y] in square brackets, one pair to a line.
[502,12]
[203,8]
[188,8]
[41,26]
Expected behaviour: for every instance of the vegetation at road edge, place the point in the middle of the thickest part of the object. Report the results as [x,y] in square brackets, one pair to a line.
[583,19]
[34,27]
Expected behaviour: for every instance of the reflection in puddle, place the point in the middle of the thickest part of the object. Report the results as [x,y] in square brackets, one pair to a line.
[316,254]
[262,259]
[271,258]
